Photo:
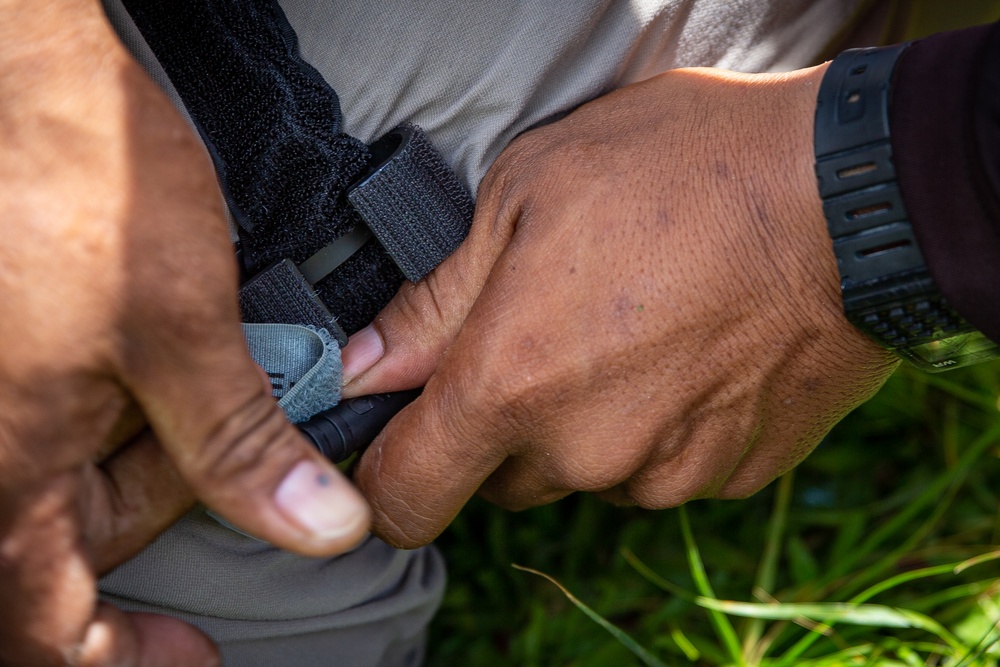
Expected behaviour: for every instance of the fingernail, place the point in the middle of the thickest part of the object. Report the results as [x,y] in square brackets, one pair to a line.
[362,351]
[320,501]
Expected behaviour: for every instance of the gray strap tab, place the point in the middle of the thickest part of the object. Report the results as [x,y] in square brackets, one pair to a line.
[413,202]
[303,364]
[281,295]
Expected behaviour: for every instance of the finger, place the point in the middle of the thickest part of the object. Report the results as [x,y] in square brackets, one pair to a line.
[46,589]
[130,499]
[426,464]
[402,347]
[48,611]
[184,359]
[523,482]
[131,422]
[145,640]
[215,417]
[165,641]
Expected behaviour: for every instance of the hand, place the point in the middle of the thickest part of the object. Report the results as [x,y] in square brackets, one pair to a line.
[118,307]
[647,307]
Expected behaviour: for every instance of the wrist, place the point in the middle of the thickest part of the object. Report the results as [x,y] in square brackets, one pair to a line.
[792,244]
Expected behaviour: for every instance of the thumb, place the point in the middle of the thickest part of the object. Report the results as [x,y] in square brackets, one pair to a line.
[212,411]
[403,346]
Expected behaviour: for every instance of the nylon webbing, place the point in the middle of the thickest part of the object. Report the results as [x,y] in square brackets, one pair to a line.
[413,184]
[281,295]
[273,128]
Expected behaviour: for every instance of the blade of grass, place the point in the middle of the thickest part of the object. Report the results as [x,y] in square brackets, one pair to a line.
[691,651]
[980,648]
[874,653]
[767,572]
[888,561]
[655,579]
[923,573]
[875,615]
[969,396]
[955,593]
[790,656]
[873,658]
[931,494]
[976,560]
[616,632]
[840,658]
[724,629]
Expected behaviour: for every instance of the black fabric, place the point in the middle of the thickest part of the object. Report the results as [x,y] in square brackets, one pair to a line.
[273,128]
[945,119]
[986,127]
[411,186]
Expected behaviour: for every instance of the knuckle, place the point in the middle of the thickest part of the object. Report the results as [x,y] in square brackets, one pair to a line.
[498,205]
[655,497]
[399,534]
[242,444]
[751,477]
[592,479]
[518,488]
[511,405]
[669,487]
[400,524]
[422,303]
[740,489]
[512,503]
[471,420]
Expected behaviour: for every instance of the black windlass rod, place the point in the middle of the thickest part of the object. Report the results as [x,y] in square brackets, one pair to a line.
[350,426]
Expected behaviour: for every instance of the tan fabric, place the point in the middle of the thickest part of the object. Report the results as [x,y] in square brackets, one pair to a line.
[476,74]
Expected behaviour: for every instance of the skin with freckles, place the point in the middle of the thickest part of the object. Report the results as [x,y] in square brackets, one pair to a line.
[647,308]
[117,309]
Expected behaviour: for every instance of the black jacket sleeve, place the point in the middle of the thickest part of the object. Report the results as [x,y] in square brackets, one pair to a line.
[945,123]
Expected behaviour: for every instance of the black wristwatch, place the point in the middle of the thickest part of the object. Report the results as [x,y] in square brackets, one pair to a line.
[887,290]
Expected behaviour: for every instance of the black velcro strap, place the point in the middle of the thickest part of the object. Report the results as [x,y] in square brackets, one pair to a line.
[273,128]
[413,202]
[272,125]
[280,295]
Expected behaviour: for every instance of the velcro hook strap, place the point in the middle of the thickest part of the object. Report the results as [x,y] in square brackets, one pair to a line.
[412,201]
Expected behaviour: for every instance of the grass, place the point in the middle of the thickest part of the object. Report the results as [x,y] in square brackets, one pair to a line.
[867,546]
[879,550]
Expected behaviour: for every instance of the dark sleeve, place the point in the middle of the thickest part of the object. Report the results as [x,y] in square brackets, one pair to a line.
[945,121]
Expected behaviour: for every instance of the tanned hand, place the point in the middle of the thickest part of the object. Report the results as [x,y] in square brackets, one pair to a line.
[118,308]
[647,308]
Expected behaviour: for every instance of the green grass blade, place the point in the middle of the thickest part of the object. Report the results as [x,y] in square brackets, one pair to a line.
[922,573]
[968,591]
[976,560]
[986,642]
[888,561]
[790,656]
[767,572]
[840,658]
[616,632]
[984,401]
[724,629]
[874,615]
[875,652]
[652,577]
[691,651]
[930,495]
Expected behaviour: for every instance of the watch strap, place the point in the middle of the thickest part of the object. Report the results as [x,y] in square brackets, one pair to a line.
[887,289]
